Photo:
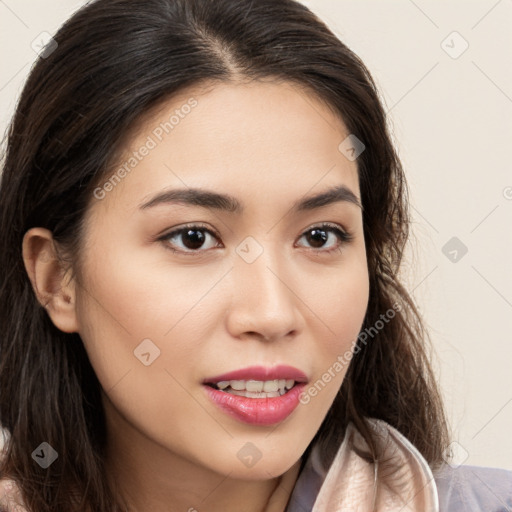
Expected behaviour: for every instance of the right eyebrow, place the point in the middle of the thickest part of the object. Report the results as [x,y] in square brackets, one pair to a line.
[196,197]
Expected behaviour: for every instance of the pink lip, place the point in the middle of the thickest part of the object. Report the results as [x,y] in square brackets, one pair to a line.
[257,411]
[261,373]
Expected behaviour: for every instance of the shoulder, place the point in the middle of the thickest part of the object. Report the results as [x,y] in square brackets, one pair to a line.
[473,488]
[464,488]
[10,500]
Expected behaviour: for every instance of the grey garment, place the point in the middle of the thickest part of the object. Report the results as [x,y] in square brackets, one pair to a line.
[305,491]
[460,489]
[474,489]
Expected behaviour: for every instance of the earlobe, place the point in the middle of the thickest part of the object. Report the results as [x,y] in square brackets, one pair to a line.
[51,282]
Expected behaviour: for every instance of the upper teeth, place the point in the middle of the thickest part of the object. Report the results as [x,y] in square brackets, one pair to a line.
[267,386]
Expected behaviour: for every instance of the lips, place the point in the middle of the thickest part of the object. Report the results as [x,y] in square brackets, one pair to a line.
[260,373]
[256,411]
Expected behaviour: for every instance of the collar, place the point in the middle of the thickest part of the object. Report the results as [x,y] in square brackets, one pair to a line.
[350,484]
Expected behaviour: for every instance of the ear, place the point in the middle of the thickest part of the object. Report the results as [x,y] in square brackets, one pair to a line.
[52,283]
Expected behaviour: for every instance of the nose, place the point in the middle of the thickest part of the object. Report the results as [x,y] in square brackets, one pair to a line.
[263,302]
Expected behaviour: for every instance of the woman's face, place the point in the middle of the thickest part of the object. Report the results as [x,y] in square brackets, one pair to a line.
[259,284]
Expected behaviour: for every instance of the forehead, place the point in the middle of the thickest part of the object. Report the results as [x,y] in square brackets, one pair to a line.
[246,138]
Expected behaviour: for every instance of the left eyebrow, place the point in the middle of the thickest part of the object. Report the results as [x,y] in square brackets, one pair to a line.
[214,200]
[331,195]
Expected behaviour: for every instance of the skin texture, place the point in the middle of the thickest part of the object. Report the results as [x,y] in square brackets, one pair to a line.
[268,144]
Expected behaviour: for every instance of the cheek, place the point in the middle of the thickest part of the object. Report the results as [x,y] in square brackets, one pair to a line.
[343,317]
[141,331]
[129,307]
[142,294]
[339,303]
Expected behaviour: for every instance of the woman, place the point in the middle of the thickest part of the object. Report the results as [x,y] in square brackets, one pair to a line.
[203,219]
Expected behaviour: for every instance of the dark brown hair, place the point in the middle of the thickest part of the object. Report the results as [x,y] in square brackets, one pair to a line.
[115,61]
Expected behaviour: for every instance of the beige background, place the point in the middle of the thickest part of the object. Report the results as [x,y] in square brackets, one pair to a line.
[451,115]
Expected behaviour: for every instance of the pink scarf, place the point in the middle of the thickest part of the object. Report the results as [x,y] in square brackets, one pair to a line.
[405,484]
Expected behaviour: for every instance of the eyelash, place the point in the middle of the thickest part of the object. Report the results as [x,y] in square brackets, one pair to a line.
[344,237]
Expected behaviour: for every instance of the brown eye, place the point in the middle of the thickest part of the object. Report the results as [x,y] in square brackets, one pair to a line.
[193,238]
[318,237]
[189,239]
